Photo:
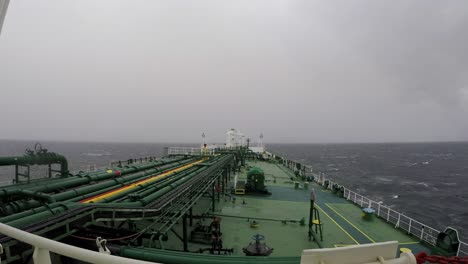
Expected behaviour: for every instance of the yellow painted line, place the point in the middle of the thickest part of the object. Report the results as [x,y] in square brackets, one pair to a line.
[342,229]
[409,243]
[349,222]
[135,184]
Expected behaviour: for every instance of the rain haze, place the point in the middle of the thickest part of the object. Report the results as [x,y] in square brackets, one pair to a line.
[298,71]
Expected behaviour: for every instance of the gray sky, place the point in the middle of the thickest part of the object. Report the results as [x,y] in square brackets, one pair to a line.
[298,71]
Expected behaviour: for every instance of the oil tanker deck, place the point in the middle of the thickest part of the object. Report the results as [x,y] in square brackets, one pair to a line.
[229,204]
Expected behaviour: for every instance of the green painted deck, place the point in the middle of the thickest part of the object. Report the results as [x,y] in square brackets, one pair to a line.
[279,214]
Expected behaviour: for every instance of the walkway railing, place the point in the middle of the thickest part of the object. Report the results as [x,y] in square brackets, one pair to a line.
[189,151]
[463,250]
[411,226]
[116,163]
[43,246]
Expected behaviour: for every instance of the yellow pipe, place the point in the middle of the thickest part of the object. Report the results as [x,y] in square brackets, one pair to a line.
[135,184]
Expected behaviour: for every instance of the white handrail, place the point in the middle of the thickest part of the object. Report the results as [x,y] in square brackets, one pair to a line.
[42,247]
[463,249]
[413,227]
[190,151]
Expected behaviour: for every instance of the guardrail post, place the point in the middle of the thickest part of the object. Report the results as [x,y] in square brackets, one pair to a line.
[398,221]
[41,256]
[422,233]
[388,214]
[409,226]
[378,210]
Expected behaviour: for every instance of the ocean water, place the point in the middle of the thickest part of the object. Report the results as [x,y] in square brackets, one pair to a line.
[430,180]
[426,181]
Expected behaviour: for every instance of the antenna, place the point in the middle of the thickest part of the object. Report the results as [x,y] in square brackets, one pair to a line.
[203,140]
[261,140]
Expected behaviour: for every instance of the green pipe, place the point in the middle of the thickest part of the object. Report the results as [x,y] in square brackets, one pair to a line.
[122,181]
[38,195]
[13,217]
[85,191]
[24,205]
[153,196]
[25,218]
[148,199]
[37,158]
[154,186]
[123,193]
[17,206]
[175,257]
[85,179]
[50,211]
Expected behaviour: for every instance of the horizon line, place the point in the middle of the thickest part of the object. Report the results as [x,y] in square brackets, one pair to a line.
[265,143]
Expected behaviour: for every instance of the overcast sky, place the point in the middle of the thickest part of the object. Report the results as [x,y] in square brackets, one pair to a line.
[298,71]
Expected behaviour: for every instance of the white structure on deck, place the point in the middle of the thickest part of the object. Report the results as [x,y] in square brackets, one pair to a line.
[234,138]
[376,253]
[260,148]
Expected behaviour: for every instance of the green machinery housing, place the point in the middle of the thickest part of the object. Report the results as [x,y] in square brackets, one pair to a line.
[137,206]
[256,181]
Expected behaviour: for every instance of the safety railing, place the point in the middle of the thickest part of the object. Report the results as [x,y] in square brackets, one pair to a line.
[463,249]
[4,183]
[132,161]
[411,226]
[423,232]
[43,247]
[190,151]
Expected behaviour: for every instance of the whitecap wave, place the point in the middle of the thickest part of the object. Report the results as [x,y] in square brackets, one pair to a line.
[423,184]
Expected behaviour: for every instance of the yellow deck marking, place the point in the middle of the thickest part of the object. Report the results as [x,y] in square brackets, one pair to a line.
[342,229]
[349,222]
[135,184]
[409,243]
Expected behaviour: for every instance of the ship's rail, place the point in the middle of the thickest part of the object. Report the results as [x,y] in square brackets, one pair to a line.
[190,151]
[131,161]
[43,246]
[463,249]
[422,231]
[5,183]
[411,226]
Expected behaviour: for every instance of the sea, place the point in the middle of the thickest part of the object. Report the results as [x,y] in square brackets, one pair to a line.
[425,181]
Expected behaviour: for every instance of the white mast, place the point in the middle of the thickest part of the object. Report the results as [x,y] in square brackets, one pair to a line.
[261,140]
[3,10]
[203,140]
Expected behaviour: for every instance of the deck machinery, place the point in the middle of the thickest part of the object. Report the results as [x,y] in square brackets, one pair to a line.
[183,208]
[136,204]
